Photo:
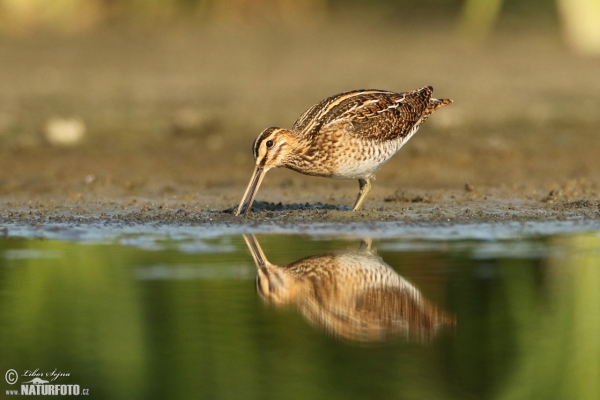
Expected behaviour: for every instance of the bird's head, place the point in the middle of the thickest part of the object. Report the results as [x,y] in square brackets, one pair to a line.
[272,148]
[274,286]
[273,283]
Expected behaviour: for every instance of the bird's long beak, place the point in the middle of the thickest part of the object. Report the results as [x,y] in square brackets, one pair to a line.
[257,253]
[251,190]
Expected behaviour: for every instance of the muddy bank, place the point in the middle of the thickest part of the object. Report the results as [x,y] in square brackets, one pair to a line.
[181,225]
[407,207]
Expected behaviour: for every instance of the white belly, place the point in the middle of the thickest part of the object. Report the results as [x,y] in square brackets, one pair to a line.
[359,170]
[366,160]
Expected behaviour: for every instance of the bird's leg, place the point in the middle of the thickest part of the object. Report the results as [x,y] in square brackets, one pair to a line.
[365,245]
[365,187]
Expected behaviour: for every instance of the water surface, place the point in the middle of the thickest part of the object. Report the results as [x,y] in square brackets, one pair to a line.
[181,314]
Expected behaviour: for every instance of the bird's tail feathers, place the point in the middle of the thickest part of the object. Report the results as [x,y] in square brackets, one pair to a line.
[434,104]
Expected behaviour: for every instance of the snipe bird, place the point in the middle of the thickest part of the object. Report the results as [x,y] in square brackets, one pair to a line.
[346,136]
[353,295]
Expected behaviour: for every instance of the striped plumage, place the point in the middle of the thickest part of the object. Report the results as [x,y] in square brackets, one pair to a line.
[353,295]
[346,136]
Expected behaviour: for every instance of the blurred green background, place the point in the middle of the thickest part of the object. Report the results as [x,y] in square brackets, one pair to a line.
[474,19]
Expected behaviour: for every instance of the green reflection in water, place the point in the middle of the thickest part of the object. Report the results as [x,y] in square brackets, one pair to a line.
[73,308]
[183,320]
[560,349]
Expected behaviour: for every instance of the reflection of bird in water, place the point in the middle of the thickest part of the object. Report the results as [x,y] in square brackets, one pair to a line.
[354,295]
[346,136]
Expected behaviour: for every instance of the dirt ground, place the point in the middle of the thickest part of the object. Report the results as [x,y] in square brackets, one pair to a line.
[170,116]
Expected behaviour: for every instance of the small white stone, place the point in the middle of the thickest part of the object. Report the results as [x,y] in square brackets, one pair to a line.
[64,131]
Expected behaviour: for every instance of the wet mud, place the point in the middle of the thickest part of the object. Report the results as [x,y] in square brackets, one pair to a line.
[432,207]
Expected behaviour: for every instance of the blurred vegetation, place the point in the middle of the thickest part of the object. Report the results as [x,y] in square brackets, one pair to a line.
[475,19]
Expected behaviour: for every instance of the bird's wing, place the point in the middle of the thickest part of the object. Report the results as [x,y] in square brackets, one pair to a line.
[379,115]
[309,115]
[328,109]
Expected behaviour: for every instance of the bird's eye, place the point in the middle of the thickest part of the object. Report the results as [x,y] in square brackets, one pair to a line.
[269,144]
